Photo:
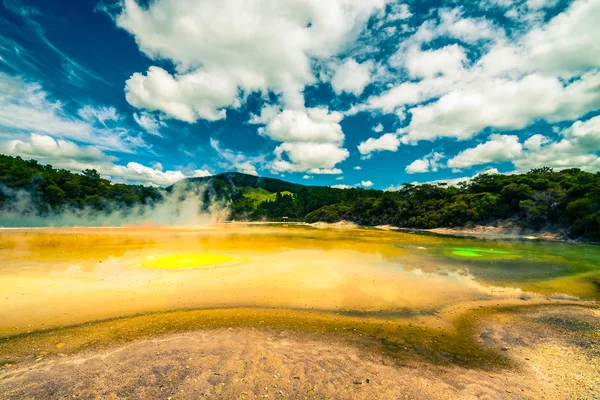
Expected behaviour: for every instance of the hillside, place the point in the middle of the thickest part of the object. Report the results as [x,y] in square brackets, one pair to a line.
[237,179]
[567,200]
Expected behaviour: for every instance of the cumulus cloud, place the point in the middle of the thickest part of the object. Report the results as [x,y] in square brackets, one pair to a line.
[499,148]
[386,142]
[502,104]
[429,163]
[366,184]
[325,171]
[450,182]
[567,45]
[535,142]
[301,157]
[577,147]
[398,11]
[548,73]
[222,48]
[65,154]
[418,166]
[312,139]
[469,30]
[447,60]
[135,172]
[44,147]
[351,77]
[316,125]
[341,186]
[187,97]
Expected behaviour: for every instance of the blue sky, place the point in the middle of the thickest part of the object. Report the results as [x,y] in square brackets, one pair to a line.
[368,93]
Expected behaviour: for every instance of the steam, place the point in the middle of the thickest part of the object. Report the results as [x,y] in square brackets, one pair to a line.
[182,206]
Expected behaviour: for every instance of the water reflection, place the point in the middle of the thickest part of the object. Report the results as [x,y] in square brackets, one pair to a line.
[58,277]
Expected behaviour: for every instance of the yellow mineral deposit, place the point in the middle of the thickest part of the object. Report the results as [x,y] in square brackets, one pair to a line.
[66,290]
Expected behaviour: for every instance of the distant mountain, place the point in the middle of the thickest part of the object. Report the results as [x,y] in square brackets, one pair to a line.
[239,180]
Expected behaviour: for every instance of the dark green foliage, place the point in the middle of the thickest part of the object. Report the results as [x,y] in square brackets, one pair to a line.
[237,179]
[541,198]
[40,189]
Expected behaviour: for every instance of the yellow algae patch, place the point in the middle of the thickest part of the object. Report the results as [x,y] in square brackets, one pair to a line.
[177,261]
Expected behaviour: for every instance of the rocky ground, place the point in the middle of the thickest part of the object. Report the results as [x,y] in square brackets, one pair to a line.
[555,352]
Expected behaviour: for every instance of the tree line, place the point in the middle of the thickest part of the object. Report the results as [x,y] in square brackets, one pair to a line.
[51,190]
[542,198]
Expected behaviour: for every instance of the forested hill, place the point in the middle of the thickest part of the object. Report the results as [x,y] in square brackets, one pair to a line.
[30,187]
[237,179]
[542,198]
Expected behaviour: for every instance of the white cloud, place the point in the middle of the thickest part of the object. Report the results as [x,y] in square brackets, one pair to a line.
[365,184]
[429,163]
[456,181]
[100,114]
[450,182]
[135,172]
[502,104]
[187,97]
[357,168]
[26,107]
[150,123]
[325,171]
[469,30]
[342,186]
[237,160]
[378,128]
[398,11]
[316,125]
[578,147]
[44,147]
[568,44]
[307,177]
[65,154]
[72,71]
[548,73]
[418,166]
[386,142]
[448,60]
[220,48]
[201,173]
[535,142]
[303,157]
[312,139]
[499,148]
[351,77]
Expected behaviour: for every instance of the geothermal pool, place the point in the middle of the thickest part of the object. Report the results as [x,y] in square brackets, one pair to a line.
[70,290]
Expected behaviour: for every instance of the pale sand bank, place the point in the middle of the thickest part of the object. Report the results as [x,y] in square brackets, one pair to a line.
[553,356]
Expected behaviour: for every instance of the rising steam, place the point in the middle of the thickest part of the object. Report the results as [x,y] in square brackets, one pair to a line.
[182,206]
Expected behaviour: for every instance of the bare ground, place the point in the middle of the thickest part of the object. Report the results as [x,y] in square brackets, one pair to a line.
[556,355]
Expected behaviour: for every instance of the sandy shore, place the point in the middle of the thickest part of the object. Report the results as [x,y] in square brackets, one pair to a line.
[555,354]
[481,231]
